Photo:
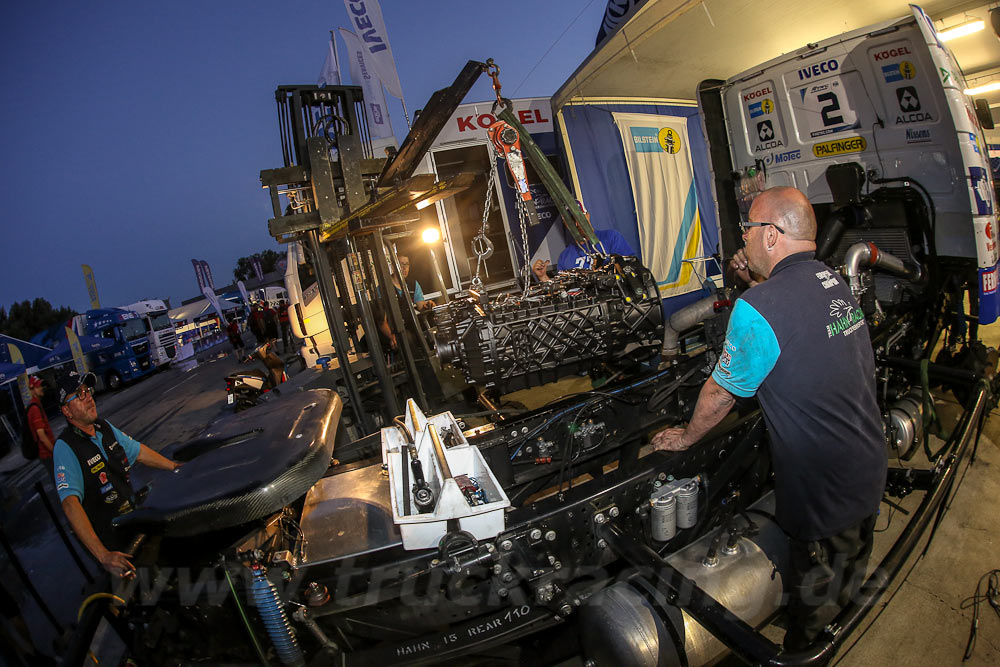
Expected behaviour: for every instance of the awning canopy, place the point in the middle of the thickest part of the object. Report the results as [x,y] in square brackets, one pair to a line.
[670,46]
[31,352]
[197,310]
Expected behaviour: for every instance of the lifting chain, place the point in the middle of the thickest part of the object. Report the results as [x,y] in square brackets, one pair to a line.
[482,247]
[526,266]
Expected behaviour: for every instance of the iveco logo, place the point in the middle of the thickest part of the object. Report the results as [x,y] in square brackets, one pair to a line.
[817,69]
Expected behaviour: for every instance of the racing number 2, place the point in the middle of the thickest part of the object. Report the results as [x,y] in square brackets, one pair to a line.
[827,109]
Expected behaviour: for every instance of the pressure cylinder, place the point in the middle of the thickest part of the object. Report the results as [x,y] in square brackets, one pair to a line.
[626,625]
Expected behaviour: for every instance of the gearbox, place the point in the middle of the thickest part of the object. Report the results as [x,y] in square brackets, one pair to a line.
[559,327]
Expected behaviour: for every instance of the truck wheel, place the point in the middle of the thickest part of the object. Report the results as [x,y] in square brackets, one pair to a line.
[114,381]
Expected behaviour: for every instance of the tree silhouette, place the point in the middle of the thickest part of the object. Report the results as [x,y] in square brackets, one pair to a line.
[26,318]
[244,269]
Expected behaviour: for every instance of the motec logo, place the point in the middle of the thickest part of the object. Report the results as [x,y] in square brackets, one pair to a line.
[819,68]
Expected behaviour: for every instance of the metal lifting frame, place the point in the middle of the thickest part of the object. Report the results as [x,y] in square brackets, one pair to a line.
[312,121]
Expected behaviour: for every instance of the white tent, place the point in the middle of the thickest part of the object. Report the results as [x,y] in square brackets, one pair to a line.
[197,310]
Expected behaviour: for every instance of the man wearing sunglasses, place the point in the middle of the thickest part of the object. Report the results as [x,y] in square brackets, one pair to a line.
[799,342]
[92,461]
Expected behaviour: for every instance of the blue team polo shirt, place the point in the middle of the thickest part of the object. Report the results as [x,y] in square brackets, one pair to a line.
[612,240]
[69,475]
[799,342]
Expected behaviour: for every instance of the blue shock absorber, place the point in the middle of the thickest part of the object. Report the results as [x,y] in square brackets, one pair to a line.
[272,612]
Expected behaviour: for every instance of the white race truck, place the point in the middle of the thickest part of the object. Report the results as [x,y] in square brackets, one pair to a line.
[874,127]
[159,329]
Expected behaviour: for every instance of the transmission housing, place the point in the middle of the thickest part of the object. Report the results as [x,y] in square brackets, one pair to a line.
[563,326]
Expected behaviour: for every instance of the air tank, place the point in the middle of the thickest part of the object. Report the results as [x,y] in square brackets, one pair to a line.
[626,625]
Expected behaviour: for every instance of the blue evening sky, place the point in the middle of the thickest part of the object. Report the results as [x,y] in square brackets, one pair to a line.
[132,132]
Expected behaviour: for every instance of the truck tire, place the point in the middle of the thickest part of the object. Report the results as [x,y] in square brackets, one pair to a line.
[113,380]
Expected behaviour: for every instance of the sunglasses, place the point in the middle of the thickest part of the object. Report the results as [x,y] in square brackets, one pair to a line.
[81,393]
[744,226]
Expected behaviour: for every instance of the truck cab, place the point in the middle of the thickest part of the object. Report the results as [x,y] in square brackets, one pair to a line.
[128,359]
[159,329]
[874,127]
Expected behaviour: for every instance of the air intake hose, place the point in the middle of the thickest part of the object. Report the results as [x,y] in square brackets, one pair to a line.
[868,254]
[684,319]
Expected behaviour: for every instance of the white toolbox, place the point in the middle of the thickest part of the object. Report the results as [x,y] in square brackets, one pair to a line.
[423,530]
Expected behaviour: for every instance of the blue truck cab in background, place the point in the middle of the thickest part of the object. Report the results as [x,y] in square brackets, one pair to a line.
[128,359]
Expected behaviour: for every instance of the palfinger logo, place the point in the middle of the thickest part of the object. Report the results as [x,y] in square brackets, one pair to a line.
[840,146]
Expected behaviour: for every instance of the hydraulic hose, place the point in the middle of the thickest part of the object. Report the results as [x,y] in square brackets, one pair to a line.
[272,613]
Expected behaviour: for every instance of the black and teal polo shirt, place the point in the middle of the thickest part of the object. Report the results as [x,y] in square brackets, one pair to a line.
[799,342]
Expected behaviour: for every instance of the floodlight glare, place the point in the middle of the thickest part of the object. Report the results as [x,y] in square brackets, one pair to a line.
[961,30]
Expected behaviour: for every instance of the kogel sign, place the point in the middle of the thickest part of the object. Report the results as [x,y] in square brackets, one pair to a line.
[471,121]
[826,67]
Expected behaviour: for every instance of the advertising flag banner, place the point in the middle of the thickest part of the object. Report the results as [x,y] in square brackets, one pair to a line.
[243,293]
[666,202]
[363,75]
[616,14]
[88,276]
[199,273]
[22,380]
[366,19]
[330,74]
[79,361]
[209,281]
[258,269]
[214,300]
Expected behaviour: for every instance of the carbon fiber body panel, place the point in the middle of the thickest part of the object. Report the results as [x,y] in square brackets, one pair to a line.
[245,467]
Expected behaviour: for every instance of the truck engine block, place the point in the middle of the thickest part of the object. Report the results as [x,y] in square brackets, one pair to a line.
[562,326]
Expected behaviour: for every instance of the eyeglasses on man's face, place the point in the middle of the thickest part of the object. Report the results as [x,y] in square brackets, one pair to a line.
[83,392]
[745,226]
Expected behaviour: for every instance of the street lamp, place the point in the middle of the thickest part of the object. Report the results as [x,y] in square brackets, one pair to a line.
[430,236]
